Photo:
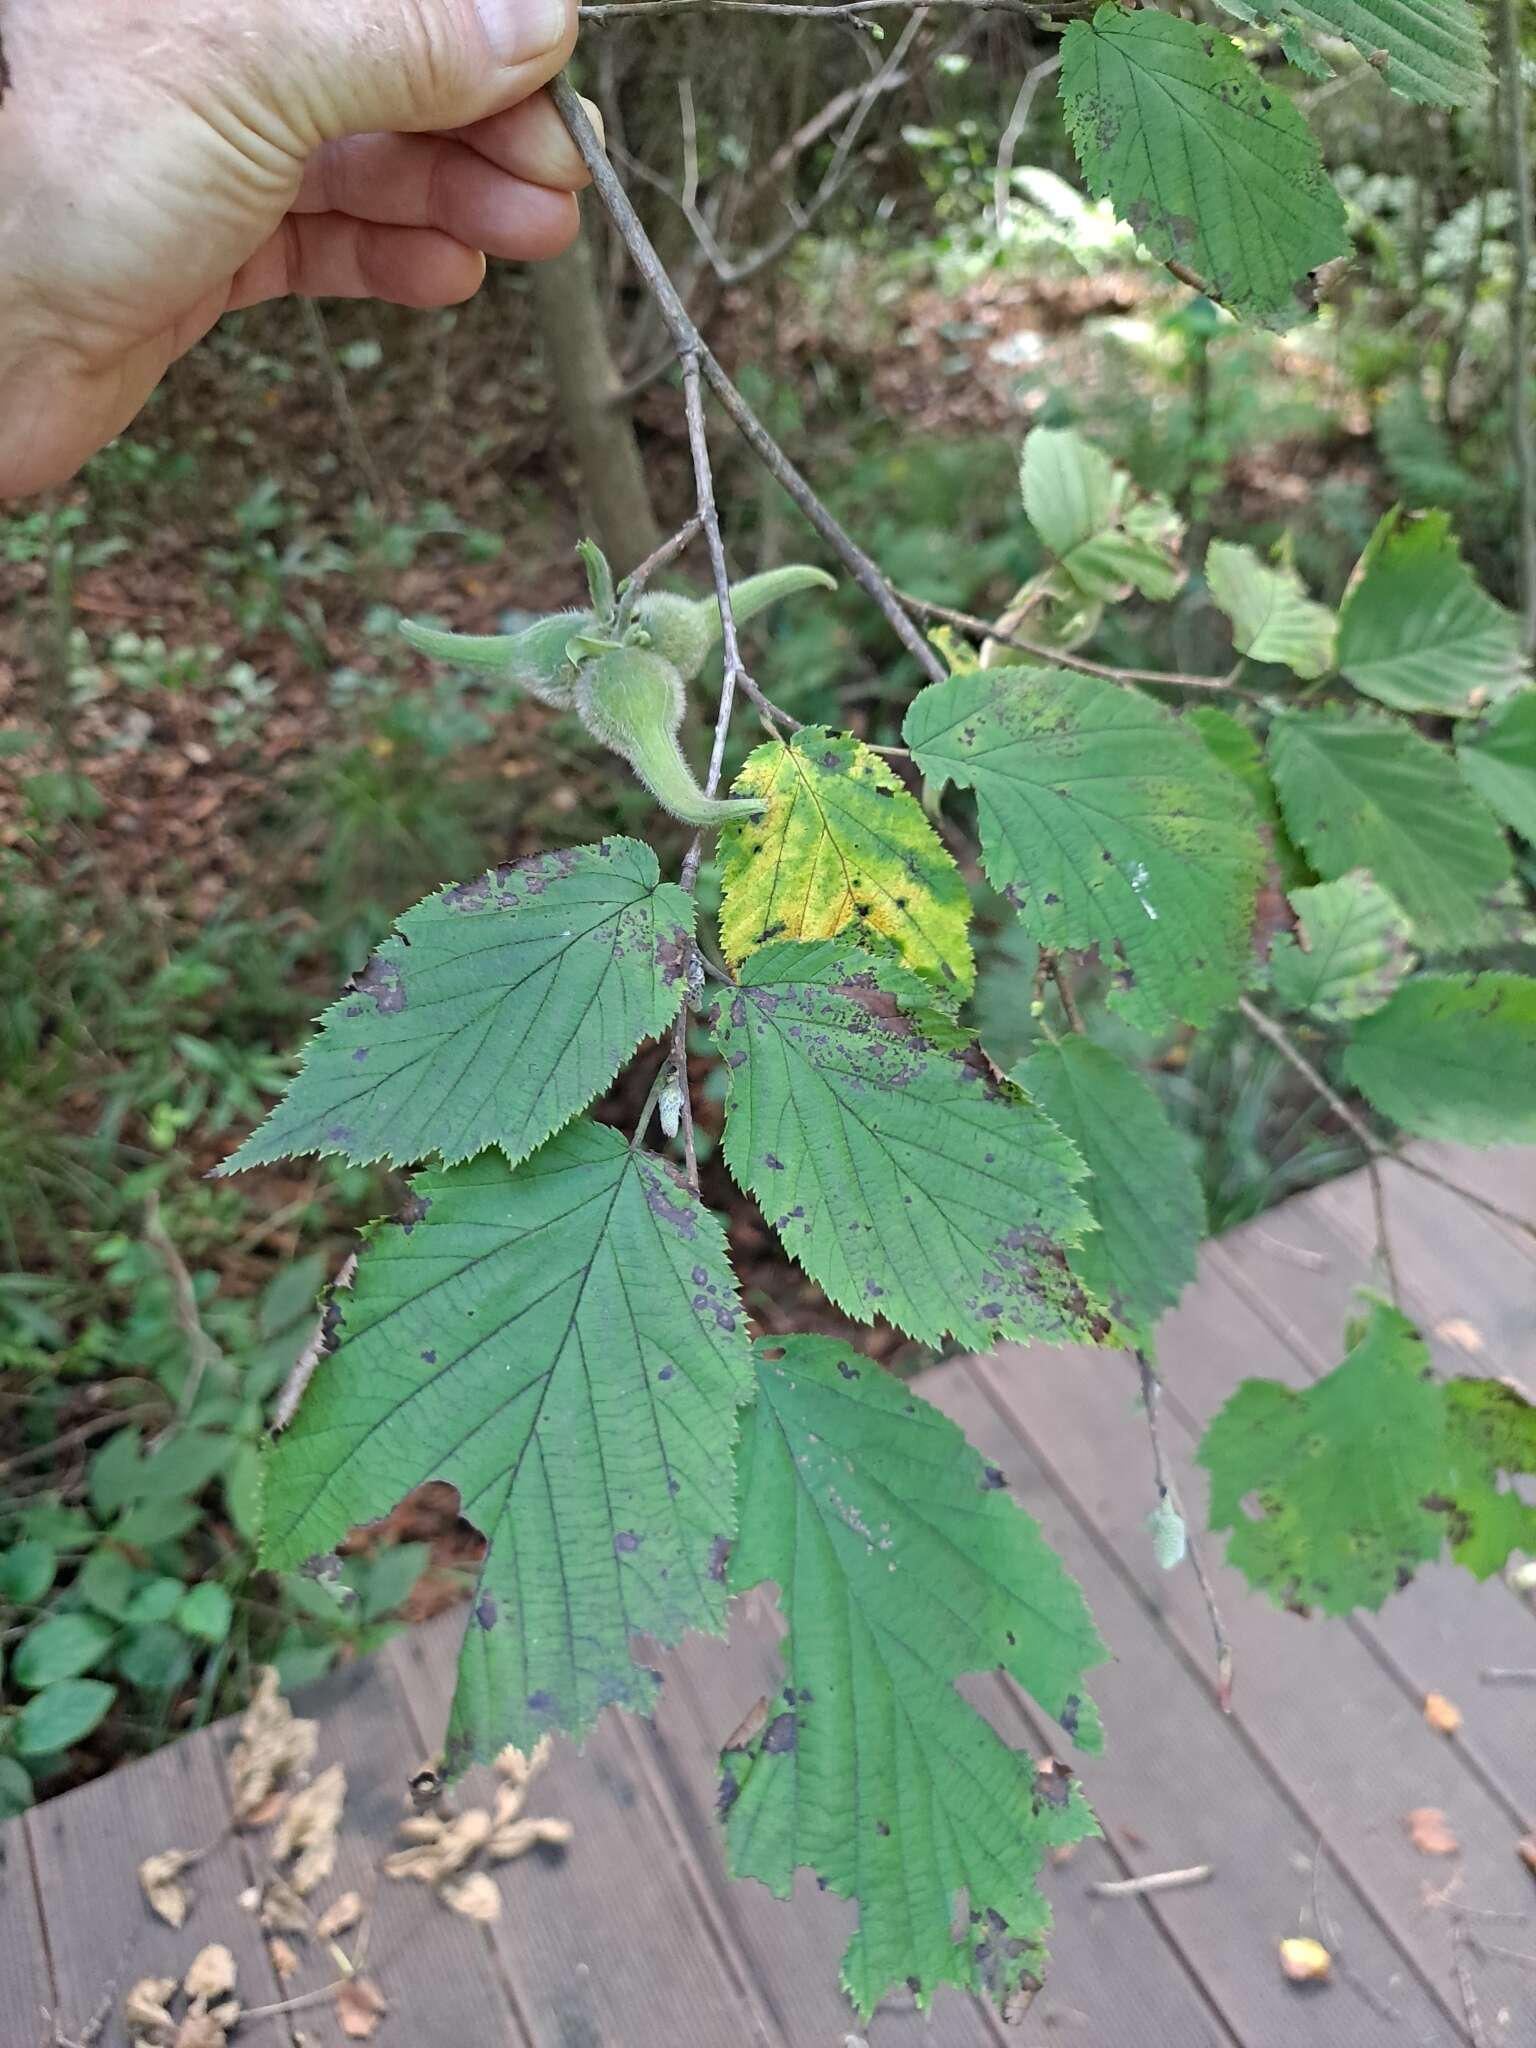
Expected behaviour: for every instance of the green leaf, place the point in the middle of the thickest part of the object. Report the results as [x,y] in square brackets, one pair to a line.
[386,1581]
[1418,631]
[1351,951]
[206,1612]
[1368,792]
[107,1582]
[64,1714]
[15,1789]
[1144,1192]
[1089,514]
[906,1182]
[156,1600]
[156,1658]
[1491,1436]
[504,1007]
[1340,1471]
[1453,1056]
[115,1472]
[1498,758]
[1208,162]
[841,844]
[1105,821]
[26,1571]
[562,1342]
[1273,619]
[149,1522]
[1427,50]
[1236,747]
[902,1565]
[63,1646]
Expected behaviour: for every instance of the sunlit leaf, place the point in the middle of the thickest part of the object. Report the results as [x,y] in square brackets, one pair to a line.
[1105,822]
[842,846]
[1453,1056]
[1349,954]
[907,1181]
[562,1342]
[1427,50]
[1498,758]
[1205,158]
[502,1009]
[902,1565]
[1273,619]
[1143,1191]
[1369,792]
[1419,632]
[1108,537]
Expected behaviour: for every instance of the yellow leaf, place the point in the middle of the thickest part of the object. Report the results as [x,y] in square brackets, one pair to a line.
[1304,1961]
[841,846]
[1443,1715]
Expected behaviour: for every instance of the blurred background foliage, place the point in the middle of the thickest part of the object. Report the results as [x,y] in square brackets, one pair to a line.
[222,774]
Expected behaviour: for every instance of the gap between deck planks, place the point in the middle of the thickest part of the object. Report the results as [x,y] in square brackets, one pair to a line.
[637,1940]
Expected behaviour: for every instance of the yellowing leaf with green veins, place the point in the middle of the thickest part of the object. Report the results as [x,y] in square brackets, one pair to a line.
[502,1009]
[841,846]
[1453,1056]
[1498,758]
[1419,632]
[1143,1190]
[1273,619]
[1336,1494]
[1369,792]
[902,1566]
[1203,156]
[562,1342]
[905,1180]
[1352,950]
[1431,51]
[1106,822]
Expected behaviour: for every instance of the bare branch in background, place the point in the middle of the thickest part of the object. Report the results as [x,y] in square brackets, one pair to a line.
[1013,134]
[1523,426]
[1168,1497]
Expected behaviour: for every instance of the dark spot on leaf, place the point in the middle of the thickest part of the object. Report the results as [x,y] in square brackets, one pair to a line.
[666,1373]
[727,1792]
[413,1211]
[382,980]
[738,1011]
[678,1214]
[780,1739]
[672,956]
[468,895]
[991,1479]
[485,1611]
[719,1551]
[849,1372]
[541,1703]
[773,1162]
[339,1134]
[429,1358]
[626,1541]
[882,1827]
[1053,1784]
[1071,1712]
[360,1055]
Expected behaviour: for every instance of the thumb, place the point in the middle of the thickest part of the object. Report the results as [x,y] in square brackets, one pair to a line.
[350,67]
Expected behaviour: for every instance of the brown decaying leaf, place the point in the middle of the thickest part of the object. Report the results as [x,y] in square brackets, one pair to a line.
[1443,1715]
[1429,1832]
[146,2014]
[430,1862]
[343,1913]
[510,1842]
[308,1827]
[207,2029]
[1304,1961]
[285,1960]
[211,1975]
[421,1827]
[157,1877]
[519,1769]
[475,1896]
[282,1910]
[359,2007]
[273,1747]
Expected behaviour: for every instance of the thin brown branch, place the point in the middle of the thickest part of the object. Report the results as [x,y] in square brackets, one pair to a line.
[1168,1496]
[834,13]
[1012,135]
[687,342]
[308,1361]
[204,1354]
[1154,1881]
[984,629]
[1522,424]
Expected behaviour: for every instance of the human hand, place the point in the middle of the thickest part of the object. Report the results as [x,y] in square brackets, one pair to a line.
[163,164]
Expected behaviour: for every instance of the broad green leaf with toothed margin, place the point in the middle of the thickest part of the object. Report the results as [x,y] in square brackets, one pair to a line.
[562,1342]
[902,1565]
[502,1009]
[1106,822]
[1273,619]
[1207,160]
[1350,953]
[1105,534]
[905,1180]
[1498,758]
[842,846]
[1369,792]
[1419,632]
[1427,50]
[1143,1190]
[1453,1056]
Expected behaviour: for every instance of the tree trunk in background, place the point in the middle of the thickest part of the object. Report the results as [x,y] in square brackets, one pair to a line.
[615,496]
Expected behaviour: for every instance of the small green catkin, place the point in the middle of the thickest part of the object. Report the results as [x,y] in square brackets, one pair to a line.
[633,701]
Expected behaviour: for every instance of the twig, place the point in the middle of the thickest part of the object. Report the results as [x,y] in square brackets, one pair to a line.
[1507,1674]
[1485,1947]
[201,1349]
[307,1363]
[1018,121]
[834,12]
[120,1418]
[1333,1941]
[1058,974]
[1167,1493]
[1469,2005]
[298,2004]
[970,622]
[1267,1028]
[662,558]
[368,471]
[687,341]
[1523,427]
[1156,1881]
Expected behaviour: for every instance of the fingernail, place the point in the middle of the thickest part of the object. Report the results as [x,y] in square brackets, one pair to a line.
[520,30]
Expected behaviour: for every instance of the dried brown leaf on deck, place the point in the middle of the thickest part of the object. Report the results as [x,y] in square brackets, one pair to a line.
[158,1879]
[343,1913]
[359,2007]
[211,1975]
[285,1958]
[475,1896]
[274,1746]
[1443,1715]
[430,1862]
[207,2029]
[282,1911]
[308,1828]
[522,1835]
[146,2014]
[1304,1961]
[1430,1832]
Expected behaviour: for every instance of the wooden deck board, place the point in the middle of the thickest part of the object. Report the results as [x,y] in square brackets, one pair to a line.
[637,1940]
